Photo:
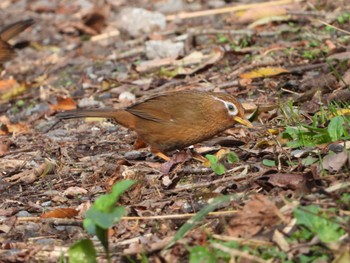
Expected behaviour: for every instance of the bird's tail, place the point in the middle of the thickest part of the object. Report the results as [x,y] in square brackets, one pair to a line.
[98,113]
[8,32]
[119,115]
[14,29]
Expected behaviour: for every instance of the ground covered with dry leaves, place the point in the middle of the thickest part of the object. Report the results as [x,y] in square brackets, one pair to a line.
[286,178]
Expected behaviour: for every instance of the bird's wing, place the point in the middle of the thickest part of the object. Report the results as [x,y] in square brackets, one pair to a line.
[6,52]
[147,115]
[176,107]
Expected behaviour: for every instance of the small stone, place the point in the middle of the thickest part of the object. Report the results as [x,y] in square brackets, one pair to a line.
[336,147]
[45,204]
[138,21]
[164,49]
[89,102]
[38,108]
[127,97]
[216,3]
[45,241]
[23,214]
[74,191]
[170,6]
[135,155]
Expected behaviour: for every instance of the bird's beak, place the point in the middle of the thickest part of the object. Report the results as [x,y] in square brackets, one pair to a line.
[243,121]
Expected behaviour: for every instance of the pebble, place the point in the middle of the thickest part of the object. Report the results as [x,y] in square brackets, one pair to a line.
[170,6]
[23,214]
[46,204]
[135,155]
[164,49]
[89,102]
[138,21]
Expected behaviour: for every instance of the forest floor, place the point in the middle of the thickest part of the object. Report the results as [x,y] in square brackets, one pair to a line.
[280,189]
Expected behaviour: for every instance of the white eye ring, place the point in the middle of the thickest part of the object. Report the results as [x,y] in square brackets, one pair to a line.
[231,108]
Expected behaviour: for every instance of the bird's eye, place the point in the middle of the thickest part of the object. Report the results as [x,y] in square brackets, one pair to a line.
[232,109]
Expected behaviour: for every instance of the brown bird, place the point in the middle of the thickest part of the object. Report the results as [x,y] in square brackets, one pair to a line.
[8,32]
[174,120]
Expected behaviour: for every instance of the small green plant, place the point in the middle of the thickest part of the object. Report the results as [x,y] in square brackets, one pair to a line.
[345,199]
[311,54]
[102,215]
[200,254]
[343,18]
[207,253]
[222,39]
[241,43]
[330,29]
[217,166]
[290,113]
[309,136]
[269,163]
[319,223]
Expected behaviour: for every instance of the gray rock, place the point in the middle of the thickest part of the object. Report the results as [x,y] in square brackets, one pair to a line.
[216,3]
[138,21]
[45,241]
[163,49]
[89,102]
[38,108]
[170,6]
[23,214]
[135,155]
[47,203]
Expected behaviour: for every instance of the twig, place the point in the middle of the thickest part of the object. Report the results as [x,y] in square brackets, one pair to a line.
[55,221]
[78,222]
[19,151]
[305,13]
[334,27]
[229,9]
[179,216]
[233,178]
[337,187]
[104,36]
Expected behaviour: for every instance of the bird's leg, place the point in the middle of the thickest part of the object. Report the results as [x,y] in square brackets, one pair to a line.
[198,157]
[162,156]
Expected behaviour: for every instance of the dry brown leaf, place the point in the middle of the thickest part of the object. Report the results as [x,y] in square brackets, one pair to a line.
[216,55]
[3,129]
[257,214]
[186,66]
[10,88]
[16,128]
[64,104]
[95,20]
[293,181]
[5,144]
[74,191]
[179,157]
[263,72]
[60,213]
[340,56]
[29,176]
[269,19]
[335,162]
[7,84]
